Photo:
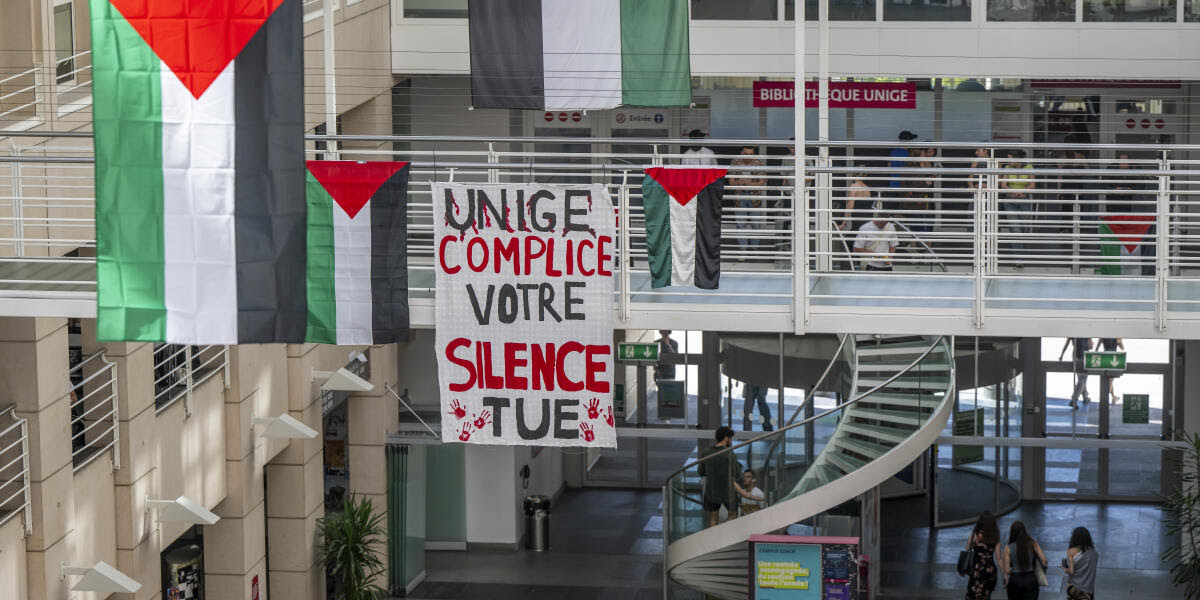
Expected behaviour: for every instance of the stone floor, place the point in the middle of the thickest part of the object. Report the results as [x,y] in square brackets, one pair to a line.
[608,544]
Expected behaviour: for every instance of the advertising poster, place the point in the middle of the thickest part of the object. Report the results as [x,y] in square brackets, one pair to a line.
[787,571]
[524,341]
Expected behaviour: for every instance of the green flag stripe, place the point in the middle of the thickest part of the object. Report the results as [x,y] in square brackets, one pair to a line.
[127,109]
[658,231]
[322,299]
[656,65]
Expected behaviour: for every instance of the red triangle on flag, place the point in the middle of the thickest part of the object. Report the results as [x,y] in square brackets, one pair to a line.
[196,39]
[1129,228]
[683,184]
[351,183]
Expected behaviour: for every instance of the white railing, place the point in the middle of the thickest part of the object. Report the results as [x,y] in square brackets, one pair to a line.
[14,468]
[23,94]
[94,425]
[974,222]
[180,369]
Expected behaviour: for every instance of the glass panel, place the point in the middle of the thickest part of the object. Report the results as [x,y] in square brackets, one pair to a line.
[435,9]
[1136,413]
[1191,11]
[1129,10]
[64,42]
[839,10]
[563,153]
[1031,10]
[735,10]
[927,10]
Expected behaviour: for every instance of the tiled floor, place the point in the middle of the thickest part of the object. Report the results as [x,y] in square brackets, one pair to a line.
[608,544]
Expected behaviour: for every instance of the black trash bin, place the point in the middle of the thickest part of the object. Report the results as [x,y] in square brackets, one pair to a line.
[537,523]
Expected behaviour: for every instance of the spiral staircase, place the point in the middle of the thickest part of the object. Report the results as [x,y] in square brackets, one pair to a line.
[896,397]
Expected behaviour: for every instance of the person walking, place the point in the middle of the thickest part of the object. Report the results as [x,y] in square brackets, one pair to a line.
[1082,345]
[877,240]
[1080,565]
[1022,557]
[984,544]
[756,394]
[1015,205]
[698,155]
[1112,345]
[720,489]
[751,178]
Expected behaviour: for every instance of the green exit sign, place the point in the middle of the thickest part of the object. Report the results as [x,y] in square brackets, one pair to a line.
[637,352]
[1104,361]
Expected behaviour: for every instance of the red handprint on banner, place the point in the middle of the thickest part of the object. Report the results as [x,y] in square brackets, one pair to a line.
[608,417]
[588,434]
[593,408]
[482,419]
[465,433]
[456,409]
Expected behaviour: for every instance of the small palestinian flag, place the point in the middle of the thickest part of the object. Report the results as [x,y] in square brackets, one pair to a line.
[1120,237]
[199,142]
[683,225]
[579,54]
[357,252]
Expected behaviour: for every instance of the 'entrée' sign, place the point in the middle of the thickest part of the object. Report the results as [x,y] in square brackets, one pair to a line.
[842,94]
[524,319]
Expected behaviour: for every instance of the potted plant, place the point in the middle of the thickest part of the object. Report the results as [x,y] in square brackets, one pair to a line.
[1183,519]
[351,549]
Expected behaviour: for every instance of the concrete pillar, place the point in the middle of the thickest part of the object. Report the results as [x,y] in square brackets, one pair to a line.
[369,415]
[709,386]
[33,364]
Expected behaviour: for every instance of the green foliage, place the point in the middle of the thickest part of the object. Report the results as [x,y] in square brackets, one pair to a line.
[351,547]
[1183,510]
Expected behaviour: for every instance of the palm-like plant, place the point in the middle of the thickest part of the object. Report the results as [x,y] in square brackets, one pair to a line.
[350,549]
[1183,510]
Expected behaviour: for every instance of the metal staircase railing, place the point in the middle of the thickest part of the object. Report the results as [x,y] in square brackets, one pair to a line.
[899,399]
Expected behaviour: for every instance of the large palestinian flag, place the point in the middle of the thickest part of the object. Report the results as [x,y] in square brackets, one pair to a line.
[199,147]
[579,54]
[357,252]
[683,225]
[1122,236]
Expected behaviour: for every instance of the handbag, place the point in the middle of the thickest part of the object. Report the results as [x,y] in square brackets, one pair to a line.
[966,558]
[1039,570]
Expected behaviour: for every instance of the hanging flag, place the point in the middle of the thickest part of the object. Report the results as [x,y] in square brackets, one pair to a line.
[1120,238]
[357,252]
[579,54]
[199,142]
[683,225]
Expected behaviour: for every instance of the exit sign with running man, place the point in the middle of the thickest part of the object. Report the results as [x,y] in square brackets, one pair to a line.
[1104,361]
[637,352]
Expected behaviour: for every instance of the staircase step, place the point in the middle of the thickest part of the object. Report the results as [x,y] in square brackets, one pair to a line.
[903,417]
[890,434]
[896,350]
[868,449]
[895,364]
[847,464]
[927,382]
[912,400]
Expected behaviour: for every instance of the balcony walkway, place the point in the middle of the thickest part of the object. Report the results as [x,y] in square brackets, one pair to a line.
[973,259]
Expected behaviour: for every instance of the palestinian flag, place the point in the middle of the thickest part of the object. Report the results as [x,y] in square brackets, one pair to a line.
[357,252]
[579,54]
[199,143]
[1121,236]
[683,225]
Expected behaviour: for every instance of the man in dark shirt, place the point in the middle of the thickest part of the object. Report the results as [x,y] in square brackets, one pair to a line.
[666,345]
[720,488]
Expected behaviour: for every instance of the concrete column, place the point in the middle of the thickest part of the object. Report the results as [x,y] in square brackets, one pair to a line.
[709,387]
[33,364]
[369,415]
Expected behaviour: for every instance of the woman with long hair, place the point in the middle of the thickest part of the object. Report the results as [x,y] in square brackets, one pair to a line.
[1080,565]
[1022,556]
[985,543]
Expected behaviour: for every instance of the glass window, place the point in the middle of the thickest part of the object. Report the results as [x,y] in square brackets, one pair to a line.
[1191,11]
[735,10]
[64,42]
[435,9]
[1129,10]
[927,10]
[839,10]
[1031,10]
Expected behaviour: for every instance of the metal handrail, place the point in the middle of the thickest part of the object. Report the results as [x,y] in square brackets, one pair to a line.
[937,340]
[83,450]
[23,489]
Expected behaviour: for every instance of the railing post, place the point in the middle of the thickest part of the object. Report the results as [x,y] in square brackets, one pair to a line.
[225,367]
[189,382]
[992,216]
[18,209]
[626,253]
[800,272]
[116,417]
[493,158]
[824,212]
[979,259]
[1162,224]
[1075,225]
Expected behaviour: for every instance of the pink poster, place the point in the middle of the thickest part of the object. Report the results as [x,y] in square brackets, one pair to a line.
[842,94]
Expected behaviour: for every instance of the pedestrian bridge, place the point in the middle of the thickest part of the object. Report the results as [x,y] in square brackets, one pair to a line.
[1067,242]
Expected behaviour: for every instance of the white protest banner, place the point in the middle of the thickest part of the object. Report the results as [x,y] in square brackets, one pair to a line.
[525,313]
